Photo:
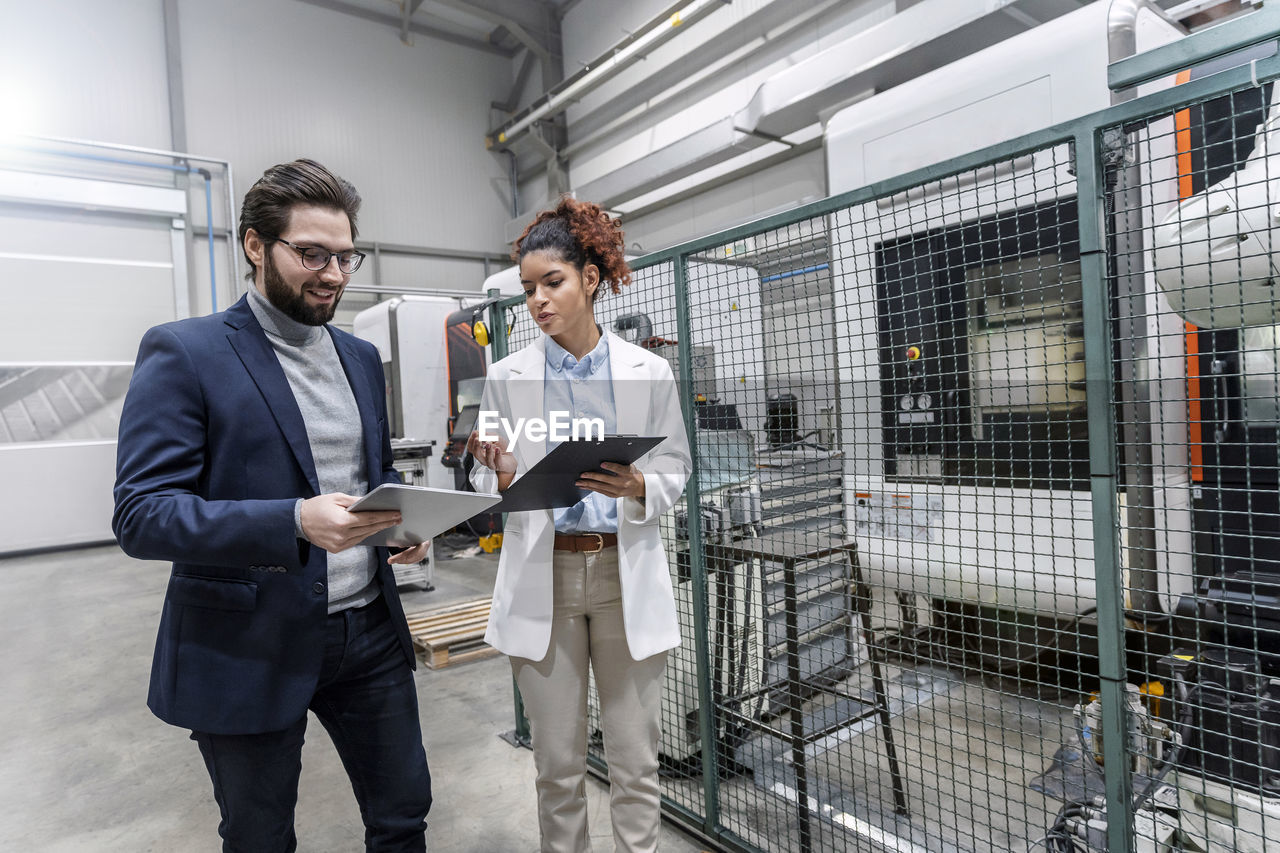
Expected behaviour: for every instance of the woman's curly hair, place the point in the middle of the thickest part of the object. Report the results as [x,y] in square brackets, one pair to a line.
[579,233]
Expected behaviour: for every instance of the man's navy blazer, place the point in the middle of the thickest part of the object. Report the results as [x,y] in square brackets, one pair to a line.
[213,455]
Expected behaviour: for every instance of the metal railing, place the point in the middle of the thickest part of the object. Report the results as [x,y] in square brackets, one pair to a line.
[981,550]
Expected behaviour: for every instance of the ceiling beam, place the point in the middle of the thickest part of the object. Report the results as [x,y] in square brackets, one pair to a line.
[522,77]
[500,19]
[394,22]
[407,8]
[532,15]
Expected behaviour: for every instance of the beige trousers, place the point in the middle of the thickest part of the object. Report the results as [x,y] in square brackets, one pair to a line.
[588,627]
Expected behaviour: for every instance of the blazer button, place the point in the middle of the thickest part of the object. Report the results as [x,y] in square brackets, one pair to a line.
[317,588]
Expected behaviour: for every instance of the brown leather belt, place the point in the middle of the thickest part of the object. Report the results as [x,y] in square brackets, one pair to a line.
[587,543]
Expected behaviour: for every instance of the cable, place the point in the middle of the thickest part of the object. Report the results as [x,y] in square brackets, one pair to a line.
[1059,838]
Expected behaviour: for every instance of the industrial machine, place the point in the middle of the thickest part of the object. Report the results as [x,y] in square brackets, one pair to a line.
[409,332]
[964,398]
[411,458]
[435,373]
[963,366]
[416,398]
[1217,255]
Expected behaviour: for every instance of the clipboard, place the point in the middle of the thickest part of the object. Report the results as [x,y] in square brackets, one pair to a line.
[425,512]
[550,483]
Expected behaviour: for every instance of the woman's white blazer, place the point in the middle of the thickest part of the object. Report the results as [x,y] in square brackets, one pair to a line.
[647,403]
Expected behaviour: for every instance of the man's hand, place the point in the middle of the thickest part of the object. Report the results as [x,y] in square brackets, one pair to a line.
[326,522]
[409,556]
[616,481]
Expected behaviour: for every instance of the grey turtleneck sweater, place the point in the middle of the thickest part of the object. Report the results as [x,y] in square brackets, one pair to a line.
[320,387]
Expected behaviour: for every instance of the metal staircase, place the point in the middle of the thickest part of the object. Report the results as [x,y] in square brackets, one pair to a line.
[61,402]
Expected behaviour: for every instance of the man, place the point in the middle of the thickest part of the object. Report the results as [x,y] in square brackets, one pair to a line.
[244,437]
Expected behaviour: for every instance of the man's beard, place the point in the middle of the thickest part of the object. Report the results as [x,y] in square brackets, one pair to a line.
[294,304]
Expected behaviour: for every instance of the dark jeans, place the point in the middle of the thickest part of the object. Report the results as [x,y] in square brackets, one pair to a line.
[367,702]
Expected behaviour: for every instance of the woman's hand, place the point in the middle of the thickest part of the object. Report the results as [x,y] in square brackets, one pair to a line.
[616,481]
[491,454]
[495,456]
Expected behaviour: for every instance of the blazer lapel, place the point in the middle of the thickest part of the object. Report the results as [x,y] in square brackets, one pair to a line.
[251,344]
[350,358]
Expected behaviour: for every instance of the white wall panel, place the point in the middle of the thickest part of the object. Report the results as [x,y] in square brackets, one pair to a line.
[270,80]
[97,312]
[85,69]
[81,287]
[65,494]
[412,271]
[52,231]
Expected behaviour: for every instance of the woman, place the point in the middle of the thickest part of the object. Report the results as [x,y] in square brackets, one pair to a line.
[587,584]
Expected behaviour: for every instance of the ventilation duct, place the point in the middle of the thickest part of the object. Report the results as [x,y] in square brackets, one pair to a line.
[926,36]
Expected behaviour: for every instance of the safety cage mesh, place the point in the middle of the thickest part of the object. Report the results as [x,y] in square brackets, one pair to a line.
[925,471]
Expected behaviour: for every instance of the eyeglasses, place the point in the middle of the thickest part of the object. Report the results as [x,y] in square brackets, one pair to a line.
[315,259]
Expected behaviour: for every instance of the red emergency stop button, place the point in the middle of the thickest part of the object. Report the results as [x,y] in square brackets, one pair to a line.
[913,353]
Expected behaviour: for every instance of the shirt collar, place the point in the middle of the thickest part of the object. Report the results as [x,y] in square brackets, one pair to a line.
[560,360]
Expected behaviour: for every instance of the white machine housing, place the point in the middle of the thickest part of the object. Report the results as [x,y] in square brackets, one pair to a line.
[409,332]
[1216,253]
[1026,549]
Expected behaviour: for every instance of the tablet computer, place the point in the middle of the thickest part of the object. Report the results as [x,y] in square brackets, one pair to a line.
[425,512]
[550,483]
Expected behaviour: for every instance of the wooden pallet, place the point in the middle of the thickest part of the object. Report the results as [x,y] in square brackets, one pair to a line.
[451,634]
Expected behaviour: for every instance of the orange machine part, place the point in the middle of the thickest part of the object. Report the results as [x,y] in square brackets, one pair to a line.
[1182,145]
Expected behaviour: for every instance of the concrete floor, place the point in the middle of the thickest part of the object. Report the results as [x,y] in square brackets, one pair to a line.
[88,768]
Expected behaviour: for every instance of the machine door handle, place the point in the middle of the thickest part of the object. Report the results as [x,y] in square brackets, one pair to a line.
[1219,369]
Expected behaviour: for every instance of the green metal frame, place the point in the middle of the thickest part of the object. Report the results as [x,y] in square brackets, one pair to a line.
[1100,404]
[1212,43]
[1085,136]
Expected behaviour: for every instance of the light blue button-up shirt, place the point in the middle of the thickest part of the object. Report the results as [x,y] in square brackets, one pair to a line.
[584,389]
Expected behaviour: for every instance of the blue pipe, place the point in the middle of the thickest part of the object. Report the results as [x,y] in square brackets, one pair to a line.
[793,273]
[191,170]
[79,156]
[208,221]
